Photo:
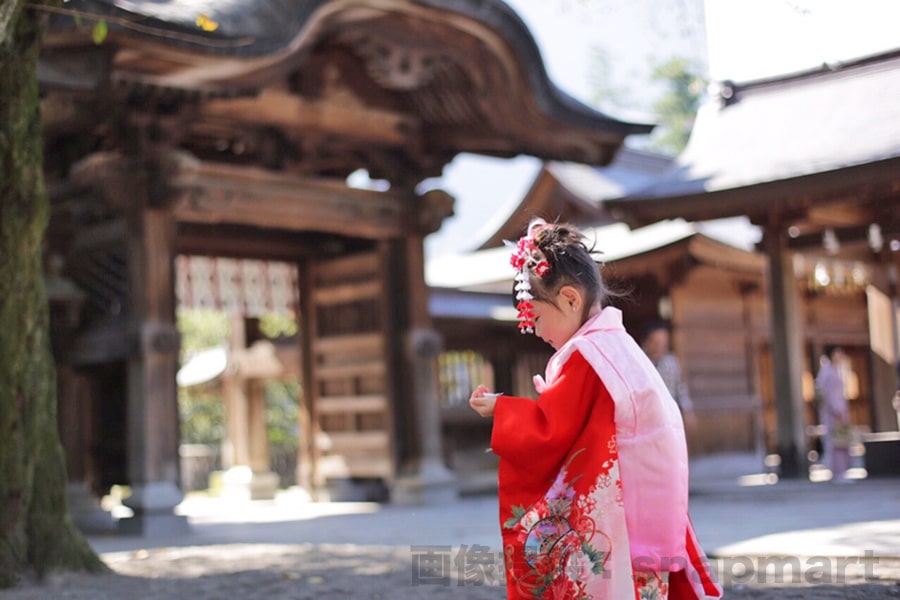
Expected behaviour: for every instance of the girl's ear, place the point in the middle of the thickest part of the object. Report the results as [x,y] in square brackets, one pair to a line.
[570,298]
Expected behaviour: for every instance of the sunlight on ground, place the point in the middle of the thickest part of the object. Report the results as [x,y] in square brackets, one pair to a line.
[832,541]
[758,479]
[821,473]
[289,505]
[292,504]
[818,473]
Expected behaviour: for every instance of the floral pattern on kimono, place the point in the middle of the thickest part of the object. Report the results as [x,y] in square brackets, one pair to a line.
[564,501]
[560,534]
[562,512]
[651,586]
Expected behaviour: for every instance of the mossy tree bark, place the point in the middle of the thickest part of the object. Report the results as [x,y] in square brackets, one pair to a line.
[36,531]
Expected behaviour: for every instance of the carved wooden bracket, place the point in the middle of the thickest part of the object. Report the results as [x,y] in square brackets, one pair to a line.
[398,65]
[433,207]
[121,180]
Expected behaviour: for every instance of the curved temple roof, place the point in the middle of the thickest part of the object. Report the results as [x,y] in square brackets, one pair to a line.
[821,147]
[421,80]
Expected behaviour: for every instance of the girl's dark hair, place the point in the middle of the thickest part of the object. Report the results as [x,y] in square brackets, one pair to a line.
[571,263]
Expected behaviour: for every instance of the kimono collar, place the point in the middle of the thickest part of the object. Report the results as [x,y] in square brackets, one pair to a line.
[608,319]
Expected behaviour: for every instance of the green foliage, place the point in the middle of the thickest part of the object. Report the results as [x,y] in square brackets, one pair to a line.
[677,107]
[605,93]
[201,329]
[282,413]
[202,414]
[201,407]
[275,325]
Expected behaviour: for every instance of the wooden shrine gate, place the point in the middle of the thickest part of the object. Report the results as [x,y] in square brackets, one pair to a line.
[238,143]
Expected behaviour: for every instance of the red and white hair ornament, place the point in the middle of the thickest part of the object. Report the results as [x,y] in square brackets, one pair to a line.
[526,259]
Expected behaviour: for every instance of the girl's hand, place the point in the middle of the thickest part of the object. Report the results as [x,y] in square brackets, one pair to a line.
[482,401]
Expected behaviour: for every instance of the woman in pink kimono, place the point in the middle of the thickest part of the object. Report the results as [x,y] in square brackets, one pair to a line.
[593,476]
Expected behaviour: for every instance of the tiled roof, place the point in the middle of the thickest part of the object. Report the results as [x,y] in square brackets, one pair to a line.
[489,270]
[777,129]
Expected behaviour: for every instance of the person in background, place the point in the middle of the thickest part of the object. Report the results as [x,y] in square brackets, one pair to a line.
[656,346]
[593,475]
[834,413]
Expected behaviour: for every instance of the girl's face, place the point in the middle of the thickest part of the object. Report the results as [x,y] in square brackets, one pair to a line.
[556,322]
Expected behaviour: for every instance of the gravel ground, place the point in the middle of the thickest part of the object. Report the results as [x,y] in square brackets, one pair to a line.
[305,571]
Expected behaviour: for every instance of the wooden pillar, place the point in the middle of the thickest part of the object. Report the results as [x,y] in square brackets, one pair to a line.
[257,436]
[884,346]
[152,402]
[263,481]
[245,452]
[426,480]
[787,354]
[77,436]
[308,449]
[895,334]
[76,431]
[235,448]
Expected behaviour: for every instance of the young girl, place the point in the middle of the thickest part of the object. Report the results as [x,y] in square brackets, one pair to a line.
[593,475]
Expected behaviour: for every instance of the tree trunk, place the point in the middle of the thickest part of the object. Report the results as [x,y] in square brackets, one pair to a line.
[36,531]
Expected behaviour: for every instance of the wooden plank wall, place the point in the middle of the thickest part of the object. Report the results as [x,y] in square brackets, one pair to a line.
[721,335]
[844,320]
[350,386]
[718,323]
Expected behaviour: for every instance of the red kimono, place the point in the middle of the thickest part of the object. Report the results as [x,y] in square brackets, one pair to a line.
[571,528]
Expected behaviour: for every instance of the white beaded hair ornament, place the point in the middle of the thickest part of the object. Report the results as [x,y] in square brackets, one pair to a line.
[526,259]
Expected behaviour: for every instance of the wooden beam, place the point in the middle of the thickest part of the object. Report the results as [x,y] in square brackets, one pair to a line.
[219,194]
[857,234]
[365,344]
[870,182]
[349,120]
[235,241]
[719,254]
[370,368]
[348,292]
[839,215]
[371,403]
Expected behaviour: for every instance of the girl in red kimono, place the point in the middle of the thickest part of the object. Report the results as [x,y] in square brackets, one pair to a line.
[593,475]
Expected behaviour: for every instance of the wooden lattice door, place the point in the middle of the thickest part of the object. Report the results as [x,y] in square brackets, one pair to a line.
[348,346]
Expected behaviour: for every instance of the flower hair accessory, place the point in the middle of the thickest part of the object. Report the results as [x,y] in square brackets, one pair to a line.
[526,259]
